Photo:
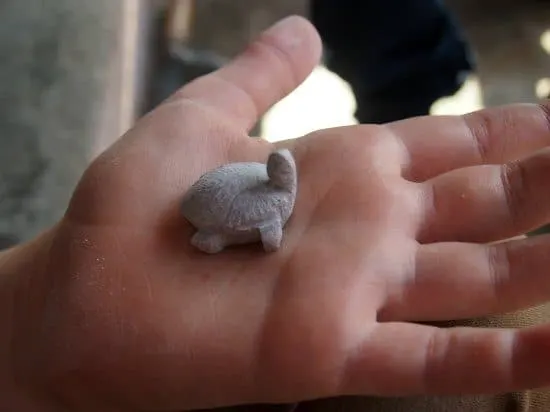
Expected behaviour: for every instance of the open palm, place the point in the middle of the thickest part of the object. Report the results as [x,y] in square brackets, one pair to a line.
[390,227]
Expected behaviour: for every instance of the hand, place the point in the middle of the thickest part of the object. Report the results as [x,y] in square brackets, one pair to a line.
[391,223]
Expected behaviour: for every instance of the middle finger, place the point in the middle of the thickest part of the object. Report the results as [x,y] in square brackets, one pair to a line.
[487,203]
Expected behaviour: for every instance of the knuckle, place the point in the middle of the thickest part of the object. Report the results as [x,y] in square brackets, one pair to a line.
[381,148]
[435,363]
[524,185]
[498,268]
[480,126]
[545,109]
[516,186]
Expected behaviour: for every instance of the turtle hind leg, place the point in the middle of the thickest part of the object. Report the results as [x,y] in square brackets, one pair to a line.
[272,235]
[209,242]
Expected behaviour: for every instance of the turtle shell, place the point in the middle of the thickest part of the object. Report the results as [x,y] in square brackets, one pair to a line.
[210,201]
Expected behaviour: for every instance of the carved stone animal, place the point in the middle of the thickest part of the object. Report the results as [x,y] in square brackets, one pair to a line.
[242,203]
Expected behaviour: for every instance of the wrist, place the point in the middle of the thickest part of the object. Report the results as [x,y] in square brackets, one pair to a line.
[17,267]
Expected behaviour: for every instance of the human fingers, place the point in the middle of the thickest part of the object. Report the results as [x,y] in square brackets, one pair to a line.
[466,280]
[270,68]
[399,359]
[438,144]
[200,127]
[487,203]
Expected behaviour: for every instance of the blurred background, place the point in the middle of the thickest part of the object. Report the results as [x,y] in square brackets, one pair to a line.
[75,74]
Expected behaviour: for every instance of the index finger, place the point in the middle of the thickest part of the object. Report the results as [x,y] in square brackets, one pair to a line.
[438,144]
[400,359]
[269,69]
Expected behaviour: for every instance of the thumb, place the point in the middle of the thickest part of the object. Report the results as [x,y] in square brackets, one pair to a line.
[265,72]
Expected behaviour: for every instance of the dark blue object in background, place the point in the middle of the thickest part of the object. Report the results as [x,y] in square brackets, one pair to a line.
[399,56]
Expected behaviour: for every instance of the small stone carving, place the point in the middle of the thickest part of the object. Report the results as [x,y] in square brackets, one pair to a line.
[241,203]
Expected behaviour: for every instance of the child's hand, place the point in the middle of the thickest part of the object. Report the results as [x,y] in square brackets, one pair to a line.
[119,312]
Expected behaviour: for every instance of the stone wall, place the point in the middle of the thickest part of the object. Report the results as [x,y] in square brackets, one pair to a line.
[56,61]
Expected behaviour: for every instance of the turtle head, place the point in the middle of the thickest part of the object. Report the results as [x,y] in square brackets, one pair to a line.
[281,169]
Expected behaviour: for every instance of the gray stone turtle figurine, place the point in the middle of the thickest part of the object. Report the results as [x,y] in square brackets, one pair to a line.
[242,203]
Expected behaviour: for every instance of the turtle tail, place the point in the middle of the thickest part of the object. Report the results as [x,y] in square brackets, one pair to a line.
[281,169]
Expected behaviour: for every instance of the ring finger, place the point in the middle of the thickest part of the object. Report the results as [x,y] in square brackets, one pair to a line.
[466,280]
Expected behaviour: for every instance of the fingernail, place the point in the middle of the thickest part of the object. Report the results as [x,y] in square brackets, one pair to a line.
[288,32]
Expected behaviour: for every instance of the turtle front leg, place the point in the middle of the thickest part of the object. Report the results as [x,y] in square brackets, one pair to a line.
[209,242]
[272,235]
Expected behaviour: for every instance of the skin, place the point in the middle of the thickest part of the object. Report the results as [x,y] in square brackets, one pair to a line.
[113,310]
